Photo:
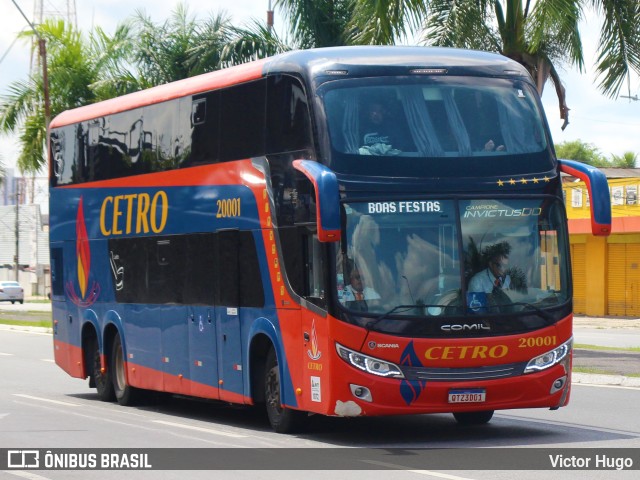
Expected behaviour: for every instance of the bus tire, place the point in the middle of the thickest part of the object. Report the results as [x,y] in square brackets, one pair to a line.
[125,394]
[473,418]
[101,380]
[282,419]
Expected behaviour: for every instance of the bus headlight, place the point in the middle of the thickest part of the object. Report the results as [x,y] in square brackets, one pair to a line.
[549,359]
[369,364]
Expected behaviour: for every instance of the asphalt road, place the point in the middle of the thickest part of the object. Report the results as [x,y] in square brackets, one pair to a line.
[42,407]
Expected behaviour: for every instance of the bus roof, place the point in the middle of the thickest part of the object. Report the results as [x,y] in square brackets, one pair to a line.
[314,64]
[392,60]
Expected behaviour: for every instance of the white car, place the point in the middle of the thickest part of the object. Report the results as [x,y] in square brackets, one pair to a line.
[11,292]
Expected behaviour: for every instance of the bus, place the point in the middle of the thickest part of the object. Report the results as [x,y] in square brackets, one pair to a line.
[351,231]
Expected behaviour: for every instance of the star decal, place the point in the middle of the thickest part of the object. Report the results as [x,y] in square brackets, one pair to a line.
[523,181]
[500,183]
[512,181]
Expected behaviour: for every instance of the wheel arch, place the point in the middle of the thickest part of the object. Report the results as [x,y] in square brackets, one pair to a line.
[112,326]
[89,336]
[258,351]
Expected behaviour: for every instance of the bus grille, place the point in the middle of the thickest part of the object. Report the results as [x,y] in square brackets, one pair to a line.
[456,374]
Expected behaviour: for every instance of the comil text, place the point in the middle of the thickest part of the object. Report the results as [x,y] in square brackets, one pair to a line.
[134,213]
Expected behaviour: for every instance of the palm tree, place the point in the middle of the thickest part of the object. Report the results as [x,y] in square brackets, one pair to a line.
[626,160]
[312,24]
[178,48]
[252,42]
[541,35]
[77,71]
[318,23]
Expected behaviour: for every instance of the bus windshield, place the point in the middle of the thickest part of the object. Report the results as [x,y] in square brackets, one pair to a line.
[432,117]
[450,258]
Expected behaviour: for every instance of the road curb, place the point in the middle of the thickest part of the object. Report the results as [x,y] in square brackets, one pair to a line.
[602,379]
[576,378]
[25,328]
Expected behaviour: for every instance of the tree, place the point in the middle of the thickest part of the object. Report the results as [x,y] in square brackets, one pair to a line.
[582,152]
[178,48]
[251,43]
[318,23]
[626,160]
[541,35]
[78,75]
[312,24]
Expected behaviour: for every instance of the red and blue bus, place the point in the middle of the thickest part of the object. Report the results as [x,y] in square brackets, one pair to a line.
[352,231]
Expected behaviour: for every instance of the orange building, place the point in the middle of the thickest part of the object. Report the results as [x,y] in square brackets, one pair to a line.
[606,270]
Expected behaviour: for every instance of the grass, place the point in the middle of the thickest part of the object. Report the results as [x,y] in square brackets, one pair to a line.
[29,323]
[607,349]
[598,371]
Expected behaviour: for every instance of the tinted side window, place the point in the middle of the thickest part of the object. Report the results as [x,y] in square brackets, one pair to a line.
[203,268]
[240,282]
[205,124]
[251,288]
[68,155]
[242,113]
[160,270]
[57,271]
[200,278]
[148,269]
[288,120]
[291,242]
[228,268]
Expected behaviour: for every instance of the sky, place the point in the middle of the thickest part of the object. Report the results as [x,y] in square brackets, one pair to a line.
[612,125]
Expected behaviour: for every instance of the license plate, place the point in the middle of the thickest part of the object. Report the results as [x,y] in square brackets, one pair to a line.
[478,395]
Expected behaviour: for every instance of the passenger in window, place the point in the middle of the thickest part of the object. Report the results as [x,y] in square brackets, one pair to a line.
[490,146]
[356,294]
[379,136]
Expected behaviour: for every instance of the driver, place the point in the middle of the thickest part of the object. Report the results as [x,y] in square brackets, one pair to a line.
[494,277]
[356,294]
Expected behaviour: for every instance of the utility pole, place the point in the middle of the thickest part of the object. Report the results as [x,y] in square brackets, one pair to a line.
[269,17]
[17,257]
[42,46]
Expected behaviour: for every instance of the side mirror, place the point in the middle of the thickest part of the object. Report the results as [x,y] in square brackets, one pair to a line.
[598,189]
[325,184]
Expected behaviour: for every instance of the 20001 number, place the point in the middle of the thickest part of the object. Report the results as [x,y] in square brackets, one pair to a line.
[531,342]
[228,207]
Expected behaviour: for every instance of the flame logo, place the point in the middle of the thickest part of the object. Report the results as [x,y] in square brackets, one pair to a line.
[314,353]
[411,389]
[83,254]
[82,251]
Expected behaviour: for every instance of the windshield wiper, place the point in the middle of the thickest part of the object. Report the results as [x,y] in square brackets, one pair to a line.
[394,309]
[545,315]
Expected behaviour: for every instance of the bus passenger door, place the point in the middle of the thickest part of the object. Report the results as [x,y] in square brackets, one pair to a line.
[314,324]
[227,317]
[203,351]
[200,291]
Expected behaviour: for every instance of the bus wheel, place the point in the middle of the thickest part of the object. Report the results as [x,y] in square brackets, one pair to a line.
[125,394]
[101,380]
[473,418]
[282,419]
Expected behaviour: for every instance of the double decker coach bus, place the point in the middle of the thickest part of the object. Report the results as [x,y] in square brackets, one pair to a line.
[349,232]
